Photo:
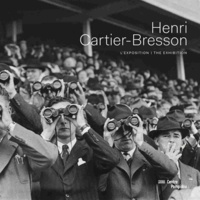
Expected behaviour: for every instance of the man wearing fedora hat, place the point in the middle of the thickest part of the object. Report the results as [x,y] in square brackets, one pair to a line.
[140,166]
[34,70]
[169,137]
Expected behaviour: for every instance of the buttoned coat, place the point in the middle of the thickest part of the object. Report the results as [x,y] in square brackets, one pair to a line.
[23,153]
[139,182]
[77,180]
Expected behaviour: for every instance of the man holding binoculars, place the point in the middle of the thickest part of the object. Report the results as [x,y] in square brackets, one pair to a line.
[83,154]
[140,166]
[21,153]
[23,113]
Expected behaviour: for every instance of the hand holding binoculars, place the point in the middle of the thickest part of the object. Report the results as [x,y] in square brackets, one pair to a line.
[51,114]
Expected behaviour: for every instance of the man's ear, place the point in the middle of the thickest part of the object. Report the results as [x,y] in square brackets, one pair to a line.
[183,141]
[156,141]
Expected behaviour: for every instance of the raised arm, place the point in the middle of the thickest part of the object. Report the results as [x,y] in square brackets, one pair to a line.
[164,167]
[104,156]
[41,154]
[25,114]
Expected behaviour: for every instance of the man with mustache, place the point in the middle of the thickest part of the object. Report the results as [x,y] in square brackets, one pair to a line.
[140,167]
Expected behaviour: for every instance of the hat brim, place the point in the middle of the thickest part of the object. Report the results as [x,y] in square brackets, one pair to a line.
[35,67]
[156,133]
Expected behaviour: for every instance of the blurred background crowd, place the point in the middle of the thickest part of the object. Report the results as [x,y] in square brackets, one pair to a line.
[121,81]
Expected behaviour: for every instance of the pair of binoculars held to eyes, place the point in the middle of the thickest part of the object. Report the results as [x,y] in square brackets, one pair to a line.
[55,86]
[4,77]
[131,120]
[188,123]
[51,113]
[153,121]
[72,86]
[43,88]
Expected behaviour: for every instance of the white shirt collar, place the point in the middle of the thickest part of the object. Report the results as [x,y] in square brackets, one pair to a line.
[70,145]
[131,152]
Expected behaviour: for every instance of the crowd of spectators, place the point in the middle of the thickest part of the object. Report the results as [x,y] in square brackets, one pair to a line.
[120,81]
[104,110]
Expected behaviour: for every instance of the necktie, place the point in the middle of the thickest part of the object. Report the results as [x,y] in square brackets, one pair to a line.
[65,153]
[127,157]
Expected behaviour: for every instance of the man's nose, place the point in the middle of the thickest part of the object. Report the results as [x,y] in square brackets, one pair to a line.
[63,120]
[171,139]
[49,92]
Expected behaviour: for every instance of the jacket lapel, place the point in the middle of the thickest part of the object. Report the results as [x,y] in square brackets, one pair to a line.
[58,166]
[7,149]
[137,161]
[78,151]
[123,165]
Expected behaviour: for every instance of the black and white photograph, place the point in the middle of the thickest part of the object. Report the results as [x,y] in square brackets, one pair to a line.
[100,100]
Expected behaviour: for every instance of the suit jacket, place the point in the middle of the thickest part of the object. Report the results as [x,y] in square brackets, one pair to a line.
[189,178]
[26,114]
[90,157]
[139,181]
[191,156]
[24,152]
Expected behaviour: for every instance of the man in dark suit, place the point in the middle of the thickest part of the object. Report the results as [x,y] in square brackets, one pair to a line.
[74,176]
[140,166]
[169,137]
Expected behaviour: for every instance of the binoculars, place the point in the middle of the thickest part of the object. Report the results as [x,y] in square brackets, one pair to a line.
[72,86]
[131,120]
[4,77]
[51,113]
[187,123]
[197,124]
[44,88]
[112,125]
[153,121]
